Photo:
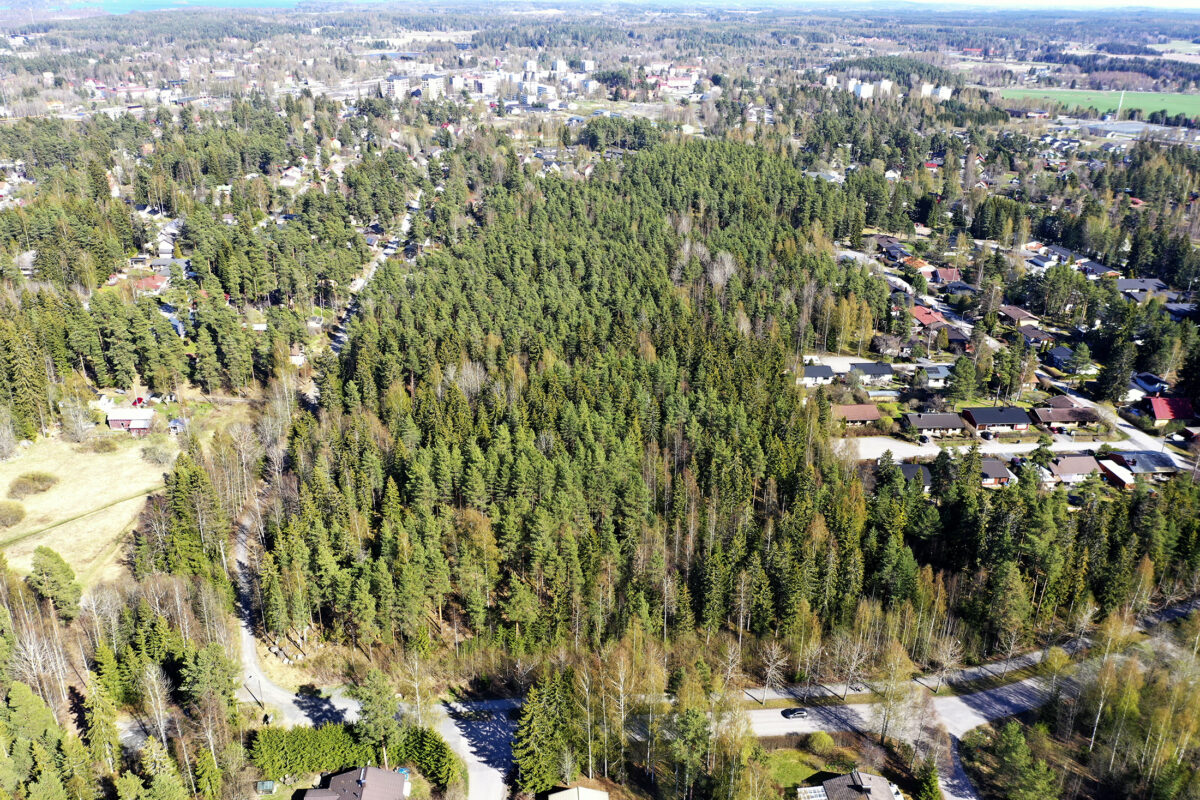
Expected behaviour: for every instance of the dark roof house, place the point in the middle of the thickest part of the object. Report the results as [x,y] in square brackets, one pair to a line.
[987,417]
[934,423]
[364,783]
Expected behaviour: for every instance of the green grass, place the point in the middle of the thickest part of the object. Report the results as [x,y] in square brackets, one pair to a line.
[1172,102]
[791,768]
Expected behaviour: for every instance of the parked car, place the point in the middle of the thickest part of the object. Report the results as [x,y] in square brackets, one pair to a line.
[795,713]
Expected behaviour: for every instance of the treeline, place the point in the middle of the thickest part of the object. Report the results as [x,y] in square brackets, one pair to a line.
[899,68]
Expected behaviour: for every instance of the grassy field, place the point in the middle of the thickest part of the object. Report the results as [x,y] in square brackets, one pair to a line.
[87,513]
[1174,103]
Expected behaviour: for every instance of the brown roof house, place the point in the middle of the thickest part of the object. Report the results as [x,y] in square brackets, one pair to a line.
[1018,316]
[857,414]
[364,783]
[854,786]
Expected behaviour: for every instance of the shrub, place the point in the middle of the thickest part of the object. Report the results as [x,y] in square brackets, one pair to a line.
[820,743]
[103,444]
[10,513]
[157,454]
[31,483]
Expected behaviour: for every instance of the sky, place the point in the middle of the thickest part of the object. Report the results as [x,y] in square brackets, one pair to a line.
[125,6]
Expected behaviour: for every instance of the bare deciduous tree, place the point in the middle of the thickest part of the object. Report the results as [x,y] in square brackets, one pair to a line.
[774,659]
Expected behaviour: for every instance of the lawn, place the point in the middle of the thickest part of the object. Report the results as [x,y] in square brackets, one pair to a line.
[85,515]
[1172,102]
[792,768]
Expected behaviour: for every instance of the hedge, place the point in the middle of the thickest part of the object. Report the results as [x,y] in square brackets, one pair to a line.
[331,748]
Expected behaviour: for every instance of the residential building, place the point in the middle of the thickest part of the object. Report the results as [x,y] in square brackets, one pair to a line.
[1060,357]
[1070,469]
[816,375]
[364,783]
[135,420]
[857,414]
[1146,462]
[935,424]
[1036,337]
[918,472]
[1018,316]
[995,473]
[578,793]
[937,375]
[872,372]
[854,786]
[998,418]
[1164,410]
[1150,383]
[1065,417]
[925,316]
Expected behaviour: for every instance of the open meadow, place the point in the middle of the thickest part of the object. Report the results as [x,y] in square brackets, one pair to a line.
[1172,102]
[86,514]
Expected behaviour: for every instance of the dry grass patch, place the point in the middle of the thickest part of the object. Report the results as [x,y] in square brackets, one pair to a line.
[87,512]
[11,512]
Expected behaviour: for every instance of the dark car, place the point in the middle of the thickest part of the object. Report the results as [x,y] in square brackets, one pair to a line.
[795,713]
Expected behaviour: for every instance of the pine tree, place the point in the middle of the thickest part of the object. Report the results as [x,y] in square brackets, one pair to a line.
[208,775]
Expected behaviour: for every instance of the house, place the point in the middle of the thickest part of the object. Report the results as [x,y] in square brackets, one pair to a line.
[854,786]
[1070,469]
[1065,417]
[995,474]
[1146,462]
[1150,383]
[578,793]
[1062,401]
[1168,409]
[1039,263]
[1094,271]
[935,424]
[1059,253]
[1018,316]
[1036,337]
[151,285]
[1180,311]
[946,275]
[956,338]
[856,414]
[816,375]
[364,783]
[135,420]
[998,418]
[872,372]
[961,289]
[1060,357]
[937,376]
[176,426]
[917,472]
[926,316]
[1117,474]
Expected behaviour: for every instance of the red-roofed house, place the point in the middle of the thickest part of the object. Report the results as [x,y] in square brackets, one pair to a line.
[926,316]
[947,275]
[152,285]
[1168,409]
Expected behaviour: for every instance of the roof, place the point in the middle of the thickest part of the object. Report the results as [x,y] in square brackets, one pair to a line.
[934,421]
[1171,408]
[1061,353]
[857,412]
[1074,465]
[364,783]
[1062,400]
[1017,313]
[578,793]
[918,472]
[995,469]
[926,316]
[1140,285]
[1037,335]
[1052,414]
[937,371]
[948,274]
[132,414]
[1002,415]
[1146,461]
[871,368]
[858,786]
[818,371]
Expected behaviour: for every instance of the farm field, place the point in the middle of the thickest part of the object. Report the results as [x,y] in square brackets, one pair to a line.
[1172,102]
[86,514]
